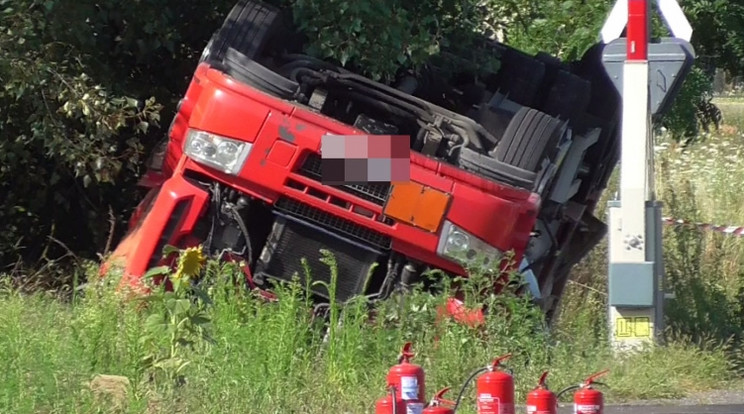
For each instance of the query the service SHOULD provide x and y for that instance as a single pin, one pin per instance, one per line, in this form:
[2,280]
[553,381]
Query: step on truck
[512,161]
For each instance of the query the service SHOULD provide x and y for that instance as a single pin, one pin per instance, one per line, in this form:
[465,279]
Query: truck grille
[291,241]
[333,223]
[374,192]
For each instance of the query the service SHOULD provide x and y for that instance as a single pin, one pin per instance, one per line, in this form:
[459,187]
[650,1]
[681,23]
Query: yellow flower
[190,262]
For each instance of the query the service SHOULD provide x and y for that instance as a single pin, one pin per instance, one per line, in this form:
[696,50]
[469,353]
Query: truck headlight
[225,154]
[459,245]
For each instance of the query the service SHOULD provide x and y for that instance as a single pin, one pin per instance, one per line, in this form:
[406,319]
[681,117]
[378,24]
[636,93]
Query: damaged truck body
[511,161]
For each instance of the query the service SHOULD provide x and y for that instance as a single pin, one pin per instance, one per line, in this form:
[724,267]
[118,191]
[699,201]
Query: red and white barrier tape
[731,230]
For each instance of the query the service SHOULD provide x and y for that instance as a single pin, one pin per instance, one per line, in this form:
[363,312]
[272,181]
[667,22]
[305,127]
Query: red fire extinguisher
[587,400]
[438,405]
[409,382]
[495,389]
[390,404]
[541,400]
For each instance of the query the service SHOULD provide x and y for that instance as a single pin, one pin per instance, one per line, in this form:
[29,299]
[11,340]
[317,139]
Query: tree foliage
[718,33]
[380,38]
[85,84]
[62,131]
[564,28]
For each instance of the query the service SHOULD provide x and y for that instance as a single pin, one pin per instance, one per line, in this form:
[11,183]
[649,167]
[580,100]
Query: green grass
[273,358]
[704,269]
[238,353]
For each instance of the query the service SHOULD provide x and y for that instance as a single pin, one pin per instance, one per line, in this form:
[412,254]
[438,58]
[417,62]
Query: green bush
[84,85]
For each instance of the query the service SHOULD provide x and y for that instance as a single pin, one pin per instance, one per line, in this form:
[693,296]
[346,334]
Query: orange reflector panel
[415,204]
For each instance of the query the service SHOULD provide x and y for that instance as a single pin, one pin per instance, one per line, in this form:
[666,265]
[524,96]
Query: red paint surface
[588,401]
[283,134]
[637,46]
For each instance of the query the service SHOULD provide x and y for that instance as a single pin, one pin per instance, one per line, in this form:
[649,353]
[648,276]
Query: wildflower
[190,263]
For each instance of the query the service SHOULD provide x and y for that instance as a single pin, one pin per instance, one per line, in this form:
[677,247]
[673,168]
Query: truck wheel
[247,29]
[530,137]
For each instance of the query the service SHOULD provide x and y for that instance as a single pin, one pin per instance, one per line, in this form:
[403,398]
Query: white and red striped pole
[636,164]
[637,30]
[717,228]
[636,294]
[634,311]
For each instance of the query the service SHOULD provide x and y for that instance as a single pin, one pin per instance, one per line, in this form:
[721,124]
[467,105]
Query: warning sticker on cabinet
[635,327]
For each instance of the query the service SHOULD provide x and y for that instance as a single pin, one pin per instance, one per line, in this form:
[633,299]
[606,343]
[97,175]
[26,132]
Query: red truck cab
[240,172]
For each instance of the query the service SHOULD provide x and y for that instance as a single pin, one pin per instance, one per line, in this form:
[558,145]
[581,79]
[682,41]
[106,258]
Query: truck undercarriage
[508,161]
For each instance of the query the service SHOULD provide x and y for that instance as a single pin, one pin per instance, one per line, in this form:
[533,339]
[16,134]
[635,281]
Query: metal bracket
[669,62]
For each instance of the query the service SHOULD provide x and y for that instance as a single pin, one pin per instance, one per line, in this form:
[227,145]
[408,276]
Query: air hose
[464,385]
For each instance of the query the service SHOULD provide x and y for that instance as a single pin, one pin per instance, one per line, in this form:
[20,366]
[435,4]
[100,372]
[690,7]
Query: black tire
[487,166]
[253,73]
[247,28]
[551,62]
[530,137]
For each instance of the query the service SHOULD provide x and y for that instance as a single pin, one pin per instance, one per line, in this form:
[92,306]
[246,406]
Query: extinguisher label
[489,404]
[586,409]
[532,409]
[409,387]
[414,408]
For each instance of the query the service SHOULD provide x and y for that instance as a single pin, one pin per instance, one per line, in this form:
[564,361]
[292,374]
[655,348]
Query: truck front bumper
[168,215]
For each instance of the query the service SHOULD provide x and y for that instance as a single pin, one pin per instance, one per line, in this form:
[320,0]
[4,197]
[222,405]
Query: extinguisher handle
[406,354]
[440,400]
[497,362]
[593,377]
[541,382]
